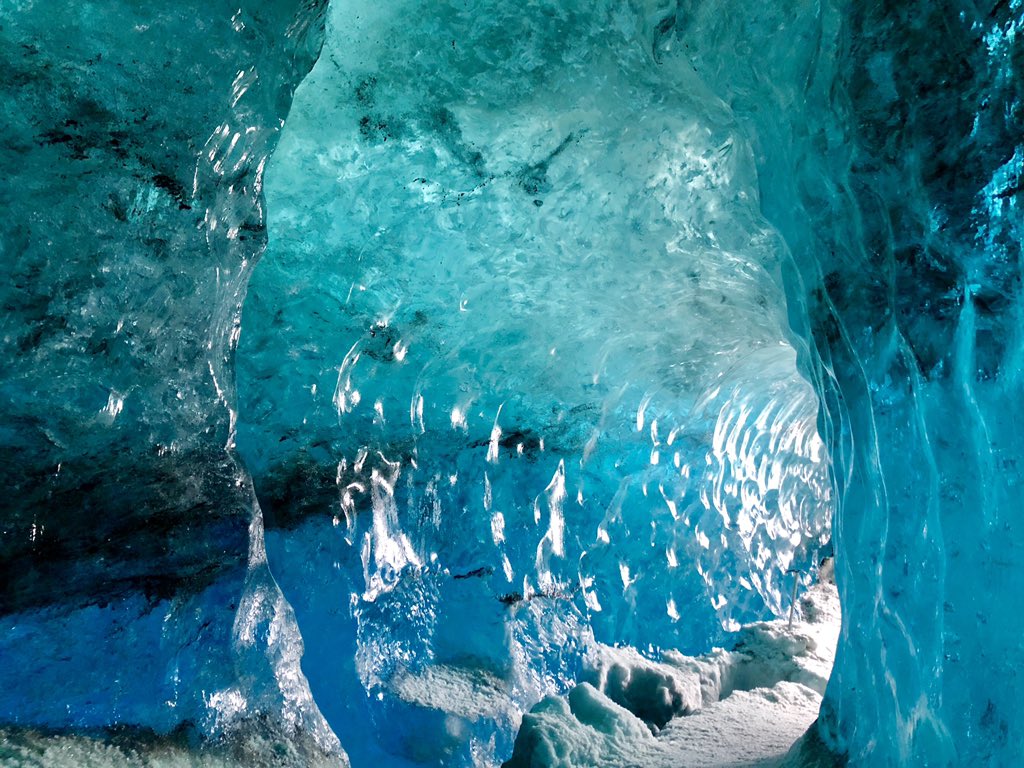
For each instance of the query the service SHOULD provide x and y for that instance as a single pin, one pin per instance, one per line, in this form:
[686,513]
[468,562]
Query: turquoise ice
[366,364]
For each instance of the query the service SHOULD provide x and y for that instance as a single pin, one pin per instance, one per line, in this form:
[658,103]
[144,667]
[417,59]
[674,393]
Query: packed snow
[746,706]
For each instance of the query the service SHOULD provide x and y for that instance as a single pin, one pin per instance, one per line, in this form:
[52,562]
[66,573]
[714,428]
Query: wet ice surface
[724,709]
[132,589]
[521,330]
[558,298]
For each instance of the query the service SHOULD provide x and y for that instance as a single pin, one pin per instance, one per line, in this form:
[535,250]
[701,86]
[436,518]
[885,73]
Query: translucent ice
[521,326]
[578,323]
[133,587]
[890,160]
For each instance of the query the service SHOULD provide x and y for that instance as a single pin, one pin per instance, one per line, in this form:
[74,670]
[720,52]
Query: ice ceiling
[365,363]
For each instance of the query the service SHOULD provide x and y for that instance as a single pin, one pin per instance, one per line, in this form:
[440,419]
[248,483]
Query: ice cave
[522,383]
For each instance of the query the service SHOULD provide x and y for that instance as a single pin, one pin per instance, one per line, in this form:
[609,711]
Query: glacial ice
[134,593]
[568,329]
[522,320]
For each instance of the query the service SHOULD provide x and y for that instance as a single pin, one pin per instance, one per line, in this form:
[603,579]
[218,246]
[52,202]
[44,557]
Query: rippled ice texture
[882,142]
[135,139]
[889,141]
[521,325]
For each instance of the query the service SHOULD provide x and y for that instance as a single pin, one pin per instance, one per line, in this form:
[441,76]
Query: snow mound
[741,707]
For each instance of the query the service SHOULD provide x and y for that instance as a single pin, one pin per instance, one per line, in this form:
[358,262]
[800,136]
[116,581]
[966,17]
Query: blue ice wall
[885,143]
[919,318]
[135,137]
[515,370]
[889,149]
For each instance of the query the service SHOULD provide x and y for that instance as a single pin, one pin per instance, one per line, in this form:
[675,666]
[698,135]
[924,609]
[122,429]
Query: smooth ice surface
[888,144]
[134,589]
[905,225]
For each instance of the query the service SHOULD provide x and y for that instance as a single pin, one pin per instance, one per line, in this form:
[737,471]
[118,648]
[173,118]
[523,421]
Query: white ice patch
[724,709]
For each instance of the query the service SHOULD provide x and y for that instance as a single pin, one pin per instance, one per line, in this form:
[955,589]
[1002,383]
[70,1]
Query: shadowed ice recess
[521,322]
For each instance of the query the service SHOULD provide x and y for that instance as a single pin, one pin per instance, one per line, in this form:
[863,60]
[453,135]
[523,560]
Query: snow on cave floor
[725,709]
[744,707]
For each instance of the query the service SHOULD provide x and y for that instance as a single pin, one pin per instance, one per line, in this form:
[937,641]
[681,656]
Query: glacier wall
[516,370]
[918,318]
[889,146]
[577,322]
[884,147]
[134,588]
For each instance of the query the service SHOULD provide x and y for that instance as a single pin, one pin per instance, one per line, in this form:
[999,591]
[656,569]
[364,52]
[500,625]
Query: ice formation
[134,587]
[530,337]
[561,330]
